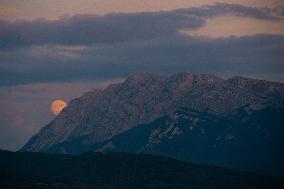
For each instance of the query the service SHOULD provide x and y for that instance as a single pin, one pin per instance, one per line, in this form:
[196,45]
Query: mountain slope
[101,114]
[249,138]
[116,170]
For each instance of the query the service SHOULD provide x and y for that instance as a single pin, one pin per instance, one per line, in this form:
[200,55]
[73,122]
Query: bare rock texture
[101,114]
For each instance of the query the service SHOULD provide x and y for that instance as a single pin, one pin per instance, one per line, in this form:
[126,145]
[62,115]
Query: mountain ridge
[101,114]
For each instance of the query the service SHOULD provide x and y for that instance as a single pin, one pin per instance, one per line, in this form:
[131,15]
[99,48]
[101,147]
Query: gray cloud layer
[90,29]
[234,9]
[112,28]
[85,47]
[261,56]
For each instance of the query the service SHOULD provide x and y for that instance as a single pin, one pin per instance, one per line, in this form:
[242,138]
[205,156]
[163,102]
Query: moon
[57,106]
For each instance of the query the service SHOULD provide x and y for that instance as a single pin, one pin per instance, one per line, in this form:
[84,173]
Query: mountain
[250,138]
[99,115]
[23,170]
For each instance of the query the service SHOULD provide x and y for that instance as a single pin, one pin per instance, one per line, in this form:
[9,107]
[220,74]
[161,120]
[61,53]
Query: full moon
[57,106]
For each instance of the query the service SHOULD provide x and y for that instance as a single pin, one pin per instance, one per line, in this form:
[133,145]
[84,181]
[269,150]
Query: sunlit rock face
[101,114]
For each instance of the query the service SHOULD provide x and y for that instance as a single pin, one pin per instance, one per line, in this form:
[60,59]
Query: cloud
[18,120]
[91,29]
[226,26]
[115,28]
[86,47]
[233,9]
[53,9]
[258,56]
[7,11]
[278,11]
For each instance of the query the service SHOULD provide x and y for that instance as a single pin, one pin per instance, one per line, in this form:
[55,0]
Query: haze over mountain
[248,110]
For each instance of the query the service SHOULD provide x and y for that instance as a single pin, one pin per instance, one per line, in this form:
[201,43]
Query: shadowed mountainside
[250,138]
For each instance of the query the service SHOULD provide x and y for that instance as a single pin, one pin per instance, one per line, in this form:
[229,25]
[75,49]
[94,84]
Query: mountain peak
[240,79]
[195,78]
[101,114]
[141,78]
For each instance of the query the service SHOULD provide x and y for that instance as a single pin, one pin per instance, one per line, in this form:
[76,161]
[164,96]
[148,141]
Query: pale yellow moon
[57,106]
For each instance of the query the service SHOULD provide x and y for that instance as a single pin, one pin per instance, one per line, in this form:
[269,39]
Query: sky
[58,49]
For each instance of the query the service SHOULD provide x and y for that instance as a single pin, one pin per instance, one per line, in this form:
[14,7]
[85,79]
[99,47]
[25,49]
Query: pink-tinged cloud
[53,9]
[18,120]
[226,26]
[8,11]
[116,28]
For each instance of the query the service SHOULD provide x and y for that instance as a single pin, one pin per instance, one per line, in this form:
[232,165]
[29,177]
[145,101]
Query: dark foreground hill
[22,170]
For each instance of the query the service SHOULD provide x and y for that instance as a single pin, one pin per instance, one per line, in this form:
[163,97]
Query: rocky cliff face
[101,114]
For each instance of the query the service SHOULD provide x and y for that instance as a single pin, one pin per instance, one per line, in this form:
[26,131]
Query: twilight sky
[52,49]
